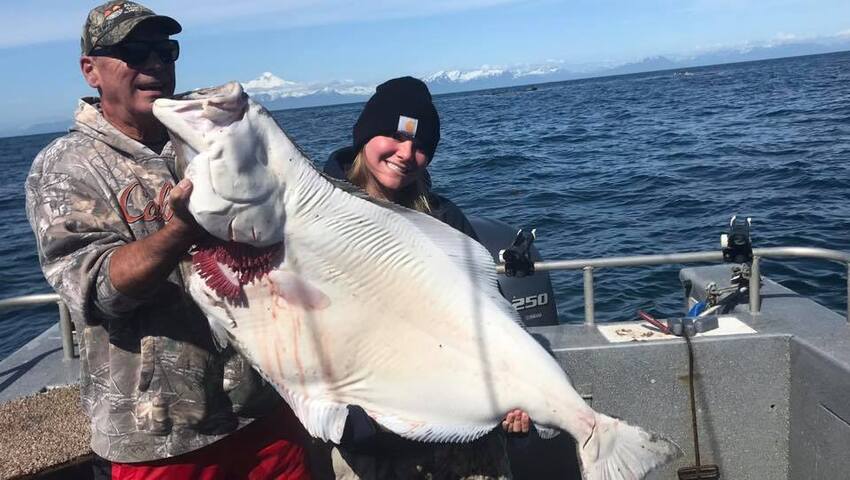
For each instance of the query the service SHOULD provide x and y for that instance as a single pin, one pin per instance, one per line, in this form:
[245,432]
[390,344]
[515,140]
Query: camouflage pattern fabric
[152,381]
[111,22]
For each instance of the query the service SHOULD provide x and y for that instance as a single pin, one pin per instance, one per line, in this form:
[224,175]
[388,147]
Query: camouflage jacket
[152,381]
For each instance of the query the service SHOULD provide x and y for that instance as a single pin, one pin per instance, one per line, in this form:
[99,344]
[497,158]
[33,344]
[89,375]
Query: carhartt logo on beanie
[400,105]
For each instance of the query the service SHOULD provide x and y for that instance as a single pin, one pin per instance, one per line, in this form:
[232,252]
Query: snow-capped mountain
[487,73]
[487,76]
[277,93]
[460,76]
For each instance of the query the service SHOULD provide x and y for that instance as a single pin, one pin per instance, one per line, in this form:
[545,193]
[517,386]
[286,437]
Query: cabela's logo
[153,210]
[113,9]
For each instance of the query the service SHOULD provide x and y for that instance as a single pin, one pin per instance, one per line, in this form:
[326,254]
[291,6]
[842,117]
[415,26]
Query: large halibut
[338,299]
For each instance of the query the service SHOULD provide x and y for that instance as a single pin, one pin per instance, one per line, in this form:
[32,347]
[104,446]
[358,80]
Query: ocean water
[637,164]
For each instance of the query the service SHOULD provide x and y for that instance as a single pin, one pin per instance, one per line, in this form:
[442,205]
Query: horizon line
[591,76]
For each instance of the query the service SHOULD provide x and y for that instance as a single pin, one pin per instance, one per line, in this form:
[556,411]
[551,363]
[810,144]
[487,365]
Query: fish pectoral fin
[297,291]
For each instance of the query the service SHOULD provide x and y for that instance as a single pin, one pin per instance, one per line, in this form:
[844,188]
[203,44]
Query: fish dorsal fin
[432,432]
[358,192]
[468,254]
[547,433]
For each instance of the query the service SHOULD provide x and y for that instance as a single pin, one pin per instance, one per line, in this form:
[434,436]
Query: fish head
[226,145]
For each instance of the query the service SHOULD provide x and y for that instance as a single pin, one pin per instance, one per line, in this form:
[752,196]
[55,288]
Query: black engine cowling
[532,295]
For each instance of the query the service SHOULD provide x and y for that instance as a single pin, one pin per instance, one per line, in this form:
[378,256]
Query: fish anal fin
[433,432]
[298,292]
[547,433]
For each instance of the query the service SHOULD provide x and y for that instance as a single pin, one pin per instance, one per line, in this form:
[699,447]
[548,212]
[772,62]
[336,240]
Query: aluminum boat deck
[771,403]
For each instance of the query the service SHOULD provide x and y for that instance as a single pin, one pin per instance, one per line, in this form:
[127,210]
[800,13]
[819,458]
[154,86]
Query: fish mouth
[226,267]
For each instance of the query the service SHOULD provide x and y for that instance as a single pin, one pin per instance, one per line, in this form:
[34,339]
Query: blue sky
[372,40]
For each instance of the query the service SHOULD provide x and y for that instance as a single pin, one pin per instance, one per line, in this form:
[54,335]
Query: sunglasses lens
[134,53]
[171,52]
[137,53]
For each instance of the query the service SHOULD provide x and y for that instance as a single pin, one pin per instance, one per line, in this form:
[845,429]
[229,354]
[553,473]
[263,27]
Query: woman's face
[394,162]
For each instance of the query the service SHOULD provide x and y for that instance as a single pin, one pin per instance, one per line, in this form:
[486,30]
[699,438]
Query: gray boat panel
[770,405]
[743,404]
[820,433]
[36,366]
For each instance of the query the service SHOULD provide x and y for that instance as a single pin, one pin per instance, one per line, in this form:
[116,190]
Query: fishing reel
[736,243]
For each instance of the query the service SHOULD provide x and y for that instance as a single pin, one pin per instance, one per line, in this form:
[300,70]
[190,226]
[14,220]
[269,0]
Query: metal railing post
[588,264]
[589,318]
[65,328]
[755,286]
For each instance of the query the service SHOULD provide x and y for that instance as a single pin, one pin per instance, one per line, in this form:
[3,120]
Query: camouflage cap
[111,22]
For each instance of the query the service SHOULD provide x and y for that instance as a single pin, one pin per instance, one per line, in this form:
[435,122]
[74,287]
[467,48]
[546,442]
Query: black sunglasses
[135,53]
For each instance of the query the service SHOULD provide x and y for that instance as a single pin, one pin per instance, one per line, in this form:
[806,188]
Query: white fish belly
[413,339]
[372,304]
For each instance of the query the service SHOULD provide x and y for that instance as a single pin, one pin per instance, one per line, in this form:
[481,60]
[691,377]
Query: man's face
[127,91]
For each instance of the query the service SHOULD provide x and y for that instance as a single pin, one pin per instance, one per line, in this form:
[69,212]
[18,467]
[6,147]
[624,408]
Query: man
[112,228]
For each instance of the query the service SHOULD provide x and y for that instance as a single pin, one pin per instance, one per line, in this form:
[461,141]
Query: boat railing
[38,299]
[586,265]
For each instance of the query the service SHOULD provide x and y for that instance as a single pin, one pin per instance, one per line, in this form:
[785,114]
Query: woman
[394,141]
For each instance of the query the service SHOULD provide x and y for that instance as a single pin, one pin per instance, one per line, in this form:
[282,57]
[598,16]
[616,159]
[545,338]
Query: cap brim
[169,26]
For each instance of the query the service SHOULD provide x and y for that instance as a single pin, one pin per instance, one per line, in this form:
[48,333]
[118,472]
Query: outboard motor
[530,292]
[531,295]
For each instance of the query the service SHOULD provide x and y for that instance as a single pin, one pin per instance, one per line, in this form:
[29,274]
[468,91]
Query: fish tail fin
[616,450]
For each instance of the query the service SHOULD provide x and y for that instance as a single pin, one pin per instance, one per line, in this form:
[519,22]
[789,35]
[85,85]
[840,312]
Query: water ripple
[636,164]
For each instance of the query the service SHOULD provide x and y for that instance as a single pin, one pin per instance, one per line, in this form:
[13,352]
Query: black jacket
[361,434]
[441,207]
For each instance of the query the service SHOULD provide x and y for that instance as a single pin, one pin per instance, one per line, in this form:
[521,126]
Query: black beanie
[400,105]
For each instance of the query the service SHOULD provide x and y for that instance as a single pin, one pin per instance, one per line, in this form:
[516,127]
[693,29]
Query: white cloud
[784,38]
[52,20]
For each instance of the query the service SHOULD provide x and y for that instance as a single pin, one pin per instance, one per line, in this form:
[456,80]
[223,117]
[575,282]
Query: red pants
[269,448]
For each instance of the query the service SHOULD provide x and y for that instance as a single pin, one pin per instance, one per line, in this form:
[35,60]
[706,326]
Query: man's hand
[516,421]
[139,267]
[182,224]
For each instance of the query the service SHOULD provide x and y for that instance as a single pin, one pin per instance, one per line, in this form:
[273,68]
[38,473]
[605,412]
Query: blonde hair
[415,196]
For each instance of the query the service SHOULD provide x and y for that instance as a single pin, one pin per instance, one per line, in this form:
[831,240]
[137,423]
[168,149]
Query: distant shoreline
[61,126]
